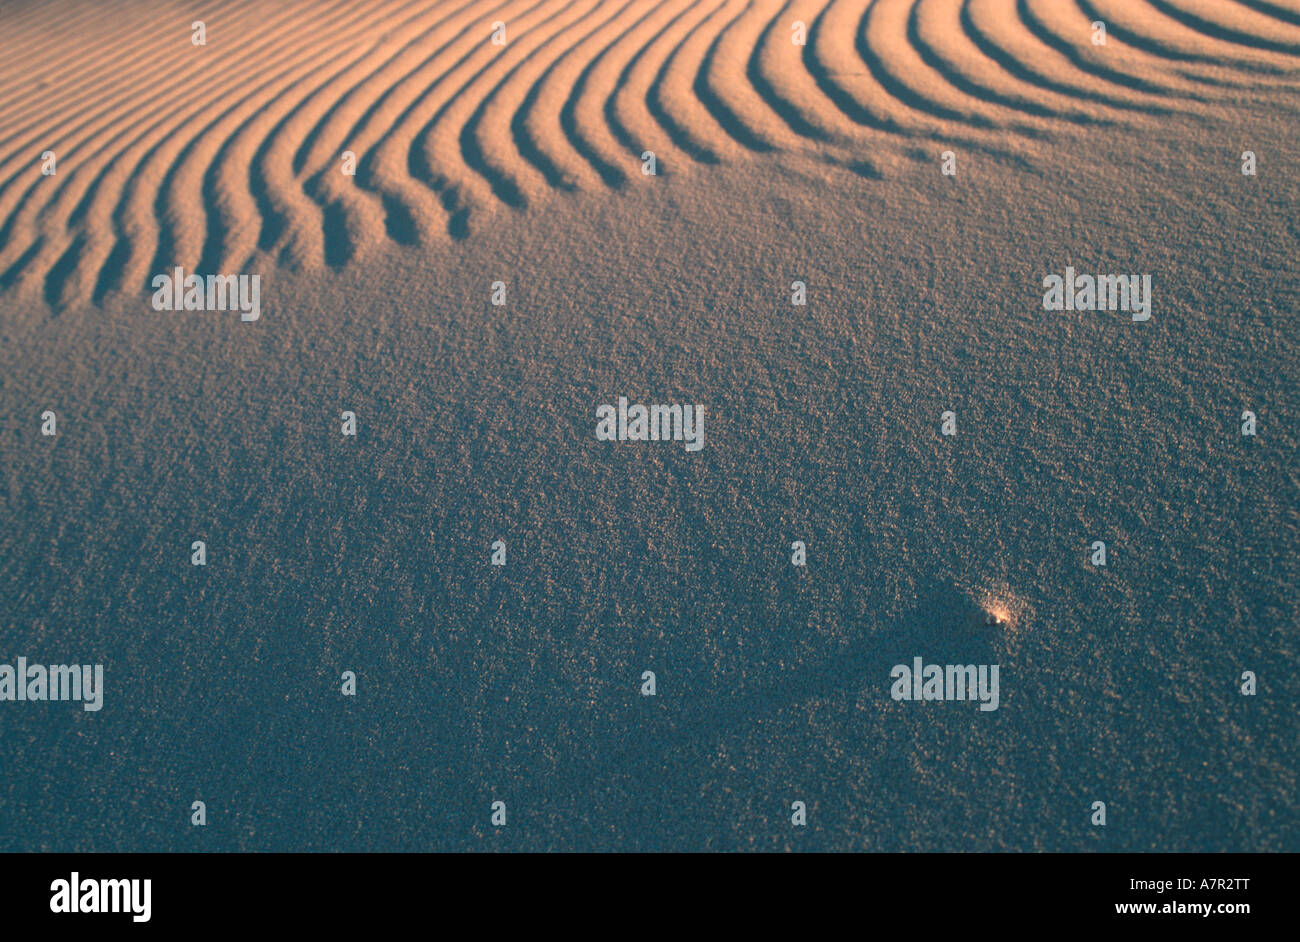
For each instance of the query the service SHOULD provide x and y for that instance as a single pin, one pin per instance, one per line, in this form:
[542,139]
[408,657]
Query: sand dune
[227,156]
[776,162]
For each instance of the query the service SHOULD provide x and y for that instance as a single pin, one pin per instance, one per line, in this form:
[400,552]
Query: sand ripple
[227,157]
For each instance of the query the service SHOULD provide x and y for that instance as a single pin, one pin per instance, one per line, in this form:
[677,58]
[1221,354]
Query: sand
[776,162]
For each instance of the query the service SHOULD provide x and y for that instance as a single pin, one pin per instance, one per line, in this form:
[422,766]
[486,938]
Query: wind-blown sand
[523,163]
